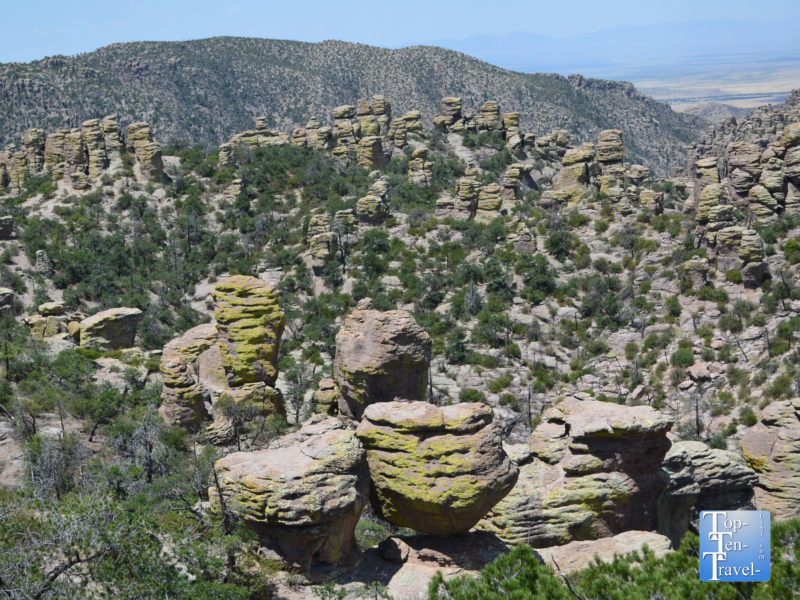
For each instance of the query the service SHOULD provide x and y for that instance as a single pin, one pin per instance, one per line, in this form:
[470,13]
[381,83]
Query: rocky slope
[464,324]
[206,90]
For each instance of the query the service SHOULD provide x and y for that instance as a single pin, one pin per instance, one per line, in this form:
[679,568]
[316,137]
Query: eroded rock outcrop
[772,449]
[304,498]
[701,478]
[593,472]
[113,329]
[234,359]
[250,325]
[435,470]
[380,357]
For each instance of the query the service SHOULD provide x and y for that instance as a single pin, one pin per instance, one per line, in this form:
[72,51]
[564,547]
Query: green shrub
[683,357]
[499,384]
[734,276]
[470,395]
[747,416]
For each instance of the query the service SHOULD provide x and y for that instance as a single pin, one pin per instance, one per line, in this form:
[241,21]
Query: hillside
[206,90]
[716,112]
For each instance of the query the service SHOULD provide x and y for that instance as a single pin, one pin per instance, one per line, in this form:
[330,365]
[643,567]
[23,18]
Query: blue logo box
[734,545]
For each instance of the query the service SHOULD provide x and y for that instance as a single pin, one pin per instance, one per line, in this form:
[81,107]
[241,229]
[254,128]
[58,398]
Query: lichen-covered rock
[763,205]
[701,478]
[54,150]
[610,148]
[250,324]
[595,472]
[33,141]
[113,329]
[147,151]
[712,195]
[371,209]
[653,201]
[380,357]
[583,154]
[322,249]
[304,498]
[95,147]
[326,398]
[435,470]
[419,168]
[772,449]
[490,201]
[791,135]
[370,152]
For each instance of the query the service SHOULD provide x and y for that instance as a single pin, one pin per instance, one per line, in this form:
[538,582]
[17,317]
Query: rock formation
[304,498]
[435,470]
[593,471]
[380,357]
[112,329]
[701,478]
[236,359]
[147,151]
[250,325]
[772,449]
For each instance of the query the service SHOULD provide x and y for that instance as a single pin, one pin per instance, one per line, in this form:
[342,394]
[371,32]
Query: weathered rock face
[182,393]
[419,168]
[43,264]
[380,357]
[250,325]
[577,556]
[772,449]
[701,478]
[147,151]
[6,301]
[304,498]
[594,472]
[112,329]
[435,470]
[610,148]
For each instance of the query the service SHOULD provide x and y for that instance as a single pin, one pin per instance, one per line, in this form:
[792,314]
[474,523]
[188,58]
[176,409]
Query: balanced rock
[772,449]
[594,473]
[609,146]
[250,324]
[113,329]
[380,357]
[304,498]
[437,470]
[6,300]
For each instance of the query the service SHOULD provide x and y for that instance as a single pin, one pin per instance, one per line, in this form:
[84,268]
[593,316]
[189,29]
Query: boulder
[584,154]
[772,449]
[250,324]
[577,556]
[182,393]
[6,301]
[791,135]
[437,470]
[113,329]
[609,146]
[380,357]
[594,473]
[303,498]
[701,478]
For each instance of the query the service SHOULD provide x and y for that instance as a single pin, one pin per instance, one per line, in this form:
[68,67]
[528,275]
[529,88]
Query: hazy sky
[36,28]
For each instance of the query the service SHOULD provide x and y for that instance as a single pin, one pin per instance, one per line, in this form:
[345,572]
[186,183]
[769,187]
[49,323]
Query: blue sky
[33,29]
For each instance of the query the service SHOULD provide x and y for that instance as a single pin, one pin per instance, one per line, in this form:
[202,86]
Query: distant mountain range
[639,52]
[207,90]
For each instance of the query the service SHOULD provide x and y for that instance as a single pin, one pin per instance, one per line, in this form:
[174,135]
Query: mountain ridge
[207,90]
